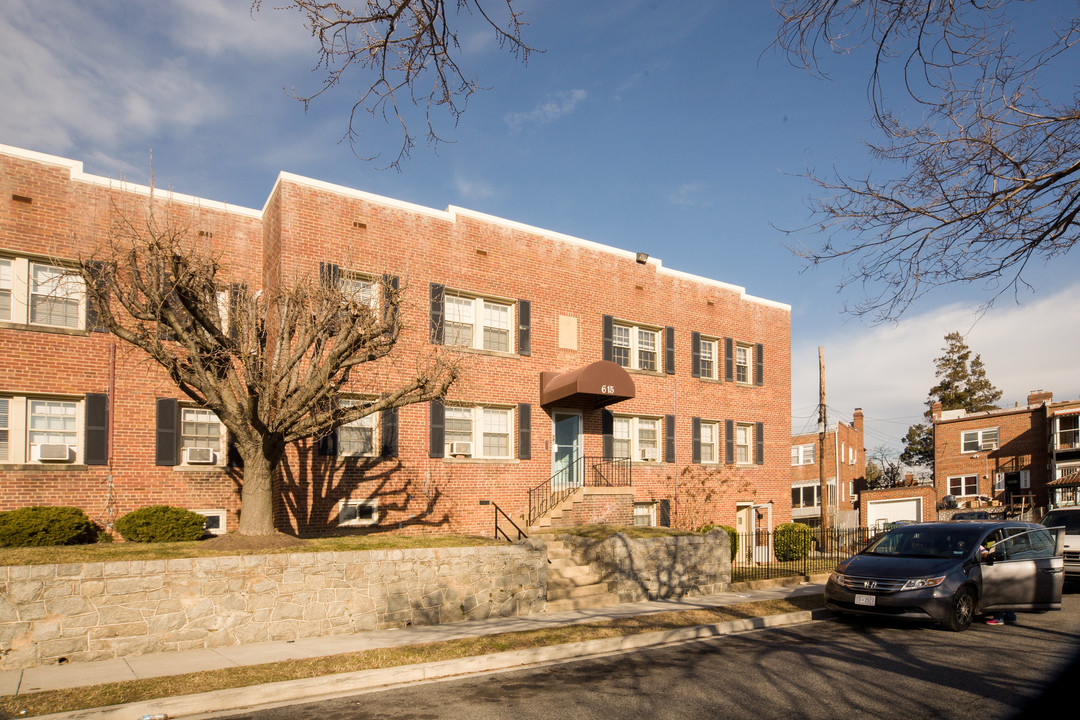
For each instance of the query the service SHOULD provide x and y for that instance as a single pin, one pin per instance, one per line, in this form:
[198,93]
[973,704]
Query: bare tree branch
[988,176]
[399,46]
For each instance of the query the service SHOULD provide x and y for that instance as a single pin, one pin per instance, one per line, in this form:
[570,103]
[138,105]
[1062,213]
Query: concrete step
[576,591]
[579,579]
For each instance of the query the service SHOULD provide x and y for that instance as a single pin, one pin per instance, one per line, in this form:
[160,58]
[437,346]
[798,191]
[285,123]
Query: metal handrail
[499,511]
[581,472]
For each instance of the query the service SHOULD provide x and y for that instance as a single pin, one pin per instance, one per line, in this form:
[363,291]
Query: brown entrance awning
[597,385]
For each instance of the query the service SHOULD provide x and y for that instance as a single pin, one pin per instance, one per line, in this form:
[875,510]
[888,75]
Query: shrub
[733,536]
[37,526]
[792,541]
[161,523]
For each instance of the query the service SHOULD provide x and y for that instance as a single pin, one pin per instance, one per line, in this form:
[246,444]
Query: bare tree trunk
[261,460]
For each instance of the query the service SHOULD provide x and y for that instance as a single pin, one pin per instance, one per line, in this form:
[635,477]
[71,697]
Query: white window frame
[17,285]
[713,358]
[815,487]
[646,511]
[368,422]
[632,432]
[16,427]
[484,420]
[7,289]
[744,438]
[961,481]
[744,351]
[219,452]
[349,505]
[361,287]
[479,310]
[803,454]
[980,439]
[5,429]
[636,344]
[1071,434]
[219,515]
[713,428]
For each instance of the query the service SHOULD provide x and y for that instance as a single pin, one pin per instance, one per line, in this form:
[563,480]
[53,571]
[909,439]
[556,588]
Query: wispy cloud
[888,370]
[471,189]
[690,195]
[550,110]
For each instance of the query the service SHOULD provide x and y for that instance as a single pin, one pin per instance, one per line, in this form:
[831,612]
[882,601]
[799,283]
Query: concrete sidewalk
[53,677]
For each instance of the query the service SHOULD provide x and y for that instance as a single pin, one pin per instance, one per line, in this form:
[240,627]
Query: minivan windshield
[926,541]
[1069,519]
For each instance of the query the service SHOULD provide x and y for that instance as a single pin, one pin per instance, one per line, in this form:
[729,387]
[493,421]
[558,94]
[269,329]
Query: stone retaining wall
[97,611]
[658,568]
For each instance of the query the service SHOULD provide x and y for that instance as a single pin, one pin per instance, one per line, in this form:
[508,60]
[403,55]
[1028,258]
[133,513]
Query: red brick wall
[305,223]
[1022,445]
[837,441]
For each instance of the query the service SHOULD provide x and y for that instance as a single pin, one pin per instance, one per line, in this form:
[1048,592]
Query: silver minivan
[1068,518]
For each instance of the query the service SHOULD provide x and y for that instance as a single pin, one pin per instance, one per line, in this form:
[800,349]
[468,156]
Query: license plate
[870,600]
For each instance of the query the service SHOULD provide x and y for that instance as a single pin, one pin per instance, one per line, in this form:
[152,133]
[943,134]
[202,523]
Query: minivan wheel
[962,611]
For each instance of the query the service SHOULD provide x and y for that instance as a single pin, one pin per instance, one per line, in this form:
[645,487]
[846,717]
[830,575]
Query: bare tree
[883,469]
[408,53]
[988,161]
[272,363]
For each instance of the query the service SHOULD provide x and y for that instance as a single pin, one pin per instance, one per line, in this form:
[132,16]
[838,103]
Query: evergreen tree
[962,385]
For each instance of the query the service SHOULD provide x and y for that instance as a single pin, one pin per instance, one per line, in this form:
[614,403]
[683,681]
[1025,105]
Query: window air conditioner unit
[54,451]
[461,448]
[988,446]
[648,454]
[199,456]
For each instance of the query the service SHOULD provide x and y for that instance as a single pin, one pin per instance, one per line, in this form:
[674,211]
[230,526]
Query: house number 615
[607,389]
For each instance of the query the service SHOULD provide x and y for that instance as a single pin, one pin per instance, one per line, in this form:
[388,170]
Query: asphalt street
[832,669]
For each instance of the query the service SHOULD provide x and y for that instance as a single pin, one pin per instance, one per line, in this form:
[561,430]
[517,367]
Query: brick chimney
[857,419]
[1037,397]
[935,411]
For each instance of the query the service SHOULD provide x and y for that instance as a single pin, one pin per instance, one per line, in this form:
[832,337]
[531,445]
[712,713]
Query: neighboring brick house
[845,467]
[568,349]
[1005,456]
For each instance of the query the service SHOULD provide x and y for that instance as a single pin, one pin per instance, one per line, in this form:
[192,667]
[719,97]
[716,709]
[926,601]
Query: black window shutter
[524,431]
[235,290]
[759,443]
[695,354]
[609,332]
[524,339]
[759,364]
[437,434]
[669,350]
[167,445]
[93,318]
[328,443]
[729,442]
[695,439]
[389,440]
[729,359]
[438,297]
[665,513]
[669,438]
[329,275]
[96,432]
[391,283]
[233,458]
[607,429]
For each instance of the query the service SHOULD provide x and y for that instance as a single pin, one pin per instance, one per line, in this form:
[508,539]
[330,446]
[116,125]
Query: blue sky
[668,128]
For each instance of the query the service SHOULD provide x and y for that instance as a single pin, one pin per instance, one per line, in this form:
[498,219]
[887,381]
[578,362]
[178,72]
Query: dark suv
[949,572]
[1069,518]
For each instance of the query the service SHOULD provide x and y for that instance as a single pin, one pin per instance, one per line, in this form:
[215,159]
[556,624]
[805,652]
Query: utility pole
[824,483]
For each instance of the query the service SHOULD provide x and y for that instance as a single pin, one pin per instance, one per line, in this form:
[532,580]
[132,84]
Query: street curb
[330,686]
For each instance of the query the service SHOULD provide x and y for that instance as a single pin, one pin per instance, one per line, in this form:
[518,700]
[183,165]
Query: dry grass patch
[52,701]
[230,545]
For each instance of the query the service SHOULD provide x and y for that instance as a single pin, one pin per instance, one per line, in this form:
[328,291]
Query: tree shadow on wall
[313,485]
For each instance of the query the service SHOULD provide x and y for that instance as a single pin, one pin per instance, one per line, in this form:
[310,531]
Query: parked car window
[926,541]
[1069,519]
[1031,545]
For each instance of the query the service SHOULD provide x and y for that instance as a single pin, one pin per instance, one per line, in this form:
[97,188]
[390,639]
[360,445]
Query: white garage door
[879,512]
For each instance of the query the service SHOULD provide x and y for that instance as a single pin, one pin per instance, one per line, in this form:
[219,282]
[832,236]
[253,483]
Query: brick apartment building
[845,467]
[1008,456]
[568,349]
